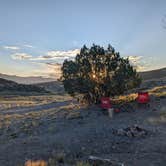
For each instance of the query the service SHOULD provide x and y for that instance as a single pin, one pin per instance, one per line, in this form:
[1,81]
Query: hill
[26,80]
[153,78]
[53,86]
[11,87]
[153,74]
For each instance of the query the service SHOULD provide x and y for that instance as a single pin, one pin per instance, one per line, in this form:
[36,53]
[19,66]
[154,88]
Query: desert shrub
[97,72]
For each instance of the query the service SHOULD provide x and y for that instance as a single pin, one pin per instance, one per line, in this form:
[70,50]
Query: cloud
[137,62]
[59,56]
[48,64]
[28,46]
[140,67]
[16,47]
[21,56]
[56,56]
[134,59]
[56,65]
[52,70]
[70,53]
[11,47]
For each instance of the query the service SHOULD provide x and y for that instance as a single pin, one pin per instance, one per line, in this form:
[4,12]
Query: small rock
[129,134]
[133,131]
[121,132]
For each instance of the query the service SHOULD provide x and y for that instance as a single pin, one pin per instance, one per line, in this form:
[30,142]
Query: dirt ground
[67,134]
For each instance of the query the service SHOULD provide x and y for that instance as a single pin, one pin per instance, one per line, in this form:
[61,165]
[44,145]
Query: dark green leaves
[97,72]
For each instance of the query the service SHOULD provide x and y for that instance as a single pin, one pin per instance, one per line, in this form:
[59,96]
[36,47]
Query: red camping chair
[105,103]
[143,98]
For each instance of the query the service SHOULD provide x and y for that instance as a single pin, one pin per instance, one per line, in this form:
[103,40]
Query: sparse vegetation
[69,132]
[8,101]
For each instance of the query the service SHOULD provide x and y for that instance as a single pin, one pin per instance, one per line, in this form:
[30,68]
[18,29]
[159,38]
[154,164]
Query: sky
[37,35]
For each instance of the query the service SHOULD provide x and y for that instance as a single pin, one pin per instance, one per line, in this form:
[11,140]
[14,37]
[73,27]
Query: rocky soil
[68,134]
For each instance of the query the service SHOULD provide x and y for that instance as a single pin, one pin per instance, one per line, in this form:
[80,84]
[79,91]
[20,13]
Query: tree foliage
[97,72]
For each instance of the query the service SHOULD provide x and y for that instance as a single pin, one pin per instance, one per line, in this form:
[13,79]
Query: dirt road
[21,110]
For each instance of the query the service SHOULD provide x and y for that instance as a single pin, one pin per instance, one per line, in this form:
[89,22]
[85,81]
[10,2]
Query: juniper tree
[97,72]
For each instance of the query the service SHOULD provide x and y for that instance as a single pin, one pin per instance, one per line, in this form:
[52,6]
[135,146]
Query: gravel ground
[79,133]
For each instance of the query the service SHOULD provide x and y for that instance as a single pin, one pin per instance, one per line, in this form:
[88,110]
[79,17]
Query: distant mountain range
[147,75]
[26,80]
[11,87]
[40,84]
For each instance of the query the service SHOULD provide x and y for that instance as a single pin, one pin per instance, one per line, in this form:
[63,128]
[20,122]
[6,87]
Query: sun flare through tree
[97,72]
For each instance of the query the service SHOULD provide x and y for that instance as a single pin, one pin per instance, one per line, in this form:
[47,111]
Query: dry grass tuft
[124,98]
[159,91]
[36,163]
[81,163]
